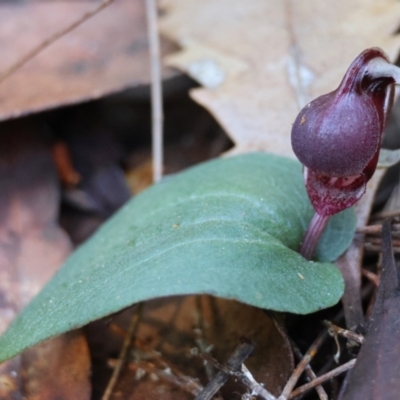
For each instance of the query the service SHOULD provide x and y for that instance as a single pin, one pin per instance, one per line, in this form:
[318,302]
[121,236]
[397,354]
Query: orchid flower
[337,138]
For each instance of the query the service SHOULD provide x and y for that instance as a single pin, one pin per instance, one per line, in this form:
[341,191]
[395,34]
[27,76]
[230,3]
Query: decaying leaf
[169,330]
[273,359]
[105,54]
[32,247]
[58,369]
[376,373]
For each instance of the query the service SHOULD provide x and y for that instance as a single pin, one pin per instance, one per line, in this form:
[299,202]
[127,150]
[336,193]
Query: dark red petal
[339,133]
[331,195]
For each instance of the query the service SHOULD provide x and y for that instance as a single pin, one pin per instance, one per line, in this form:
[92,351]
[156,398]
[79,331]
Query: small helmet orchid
[337,138]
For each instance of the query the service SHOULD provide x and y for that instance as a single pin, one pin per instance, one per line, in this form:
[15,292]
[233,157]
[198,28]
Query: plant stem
[313,234]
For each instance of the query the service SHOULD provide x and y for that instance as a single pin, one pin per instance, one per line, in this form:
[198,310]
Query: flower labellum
[337,136]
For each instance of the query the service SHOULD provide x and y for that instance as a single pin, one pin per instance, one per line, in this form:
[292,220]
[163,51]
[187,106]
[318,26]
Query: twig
[245,376]
[370,229]
[172,375]
[386,214]
[63,163]
[211,360]
[378,241]
[153,362]
[50,40]
[156,91]
[146,362]
[241,353]
[309,371]
[377,229]
[344,332]
[124,351]
[372,248]
[321,379]
[256,388]
[302,365]
[374,278]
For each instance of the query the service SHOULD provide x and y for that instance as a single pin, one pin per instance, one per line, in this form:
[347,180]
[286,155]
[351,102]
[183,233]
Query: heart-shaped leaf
[228,227]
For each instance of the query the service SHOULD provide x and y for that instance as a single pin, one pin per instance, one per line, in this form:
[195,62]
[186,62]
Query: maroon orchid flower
[337,137]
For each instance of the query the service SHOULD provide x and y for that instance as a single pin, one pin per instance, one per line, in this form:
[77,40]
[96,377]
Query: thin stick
[377,229]
[370,229]
[158,365]
[50,40]
[124,352]
[212,361]
[177,378]
[323,378]
[372,248]
[344,332]
[156,91]
[371,276]
[241,353]
[386,214]
[302,365]
[378,241]
[310,373]
[256,388]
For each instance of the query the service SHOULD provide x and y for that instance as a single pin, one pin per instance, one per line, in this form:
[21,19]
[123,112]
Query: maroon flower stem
[312,235]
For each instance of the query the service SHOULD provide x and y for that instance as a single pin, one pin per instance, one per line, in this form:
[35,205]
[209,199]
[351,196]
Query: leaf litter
[384,21]
[95,59]
[32,248]
[376,372]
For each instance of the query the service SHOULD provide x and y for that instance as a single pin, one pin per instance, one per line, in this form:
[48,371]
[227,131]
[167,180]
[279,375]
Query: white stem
[379,67]
[156,90]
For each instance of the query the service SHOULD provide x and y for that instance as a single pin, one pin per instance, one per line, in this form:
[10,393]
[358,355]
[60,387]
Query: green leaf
[228,227]
[388,158]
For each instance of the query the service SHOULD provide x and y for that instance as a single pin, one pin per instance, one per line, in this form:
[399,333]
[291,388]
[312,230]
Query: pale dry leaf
[267,59]
[388,158]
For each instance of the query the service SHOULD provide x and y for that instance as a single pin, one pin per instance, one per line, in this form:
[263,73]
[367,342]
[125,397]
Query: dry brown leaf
[263,60]
[174,326]
[32,247]
[272,362]
[58,369]
[105,54]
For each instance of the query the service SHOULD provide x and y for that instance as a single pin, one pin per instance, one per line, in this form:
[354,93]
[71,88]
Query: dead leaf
[32,247]
[272,362]
[58,369]
[377,369]
[105,54]
[172,327]
[264,60]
